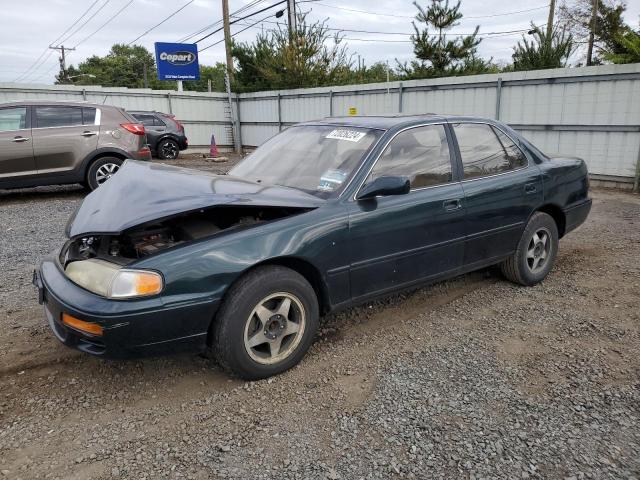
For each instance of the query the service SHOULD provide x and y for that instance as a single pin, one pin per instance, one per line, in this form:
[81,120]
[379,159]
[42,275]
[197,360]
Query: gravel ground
[470,378]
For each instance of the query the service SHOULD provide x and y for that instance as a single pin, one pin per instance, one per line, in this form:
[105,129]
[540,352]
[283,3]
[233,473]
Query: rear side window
[421,154]
[55,116]
[146,120]
[88,116]
[13,119]
[486,150]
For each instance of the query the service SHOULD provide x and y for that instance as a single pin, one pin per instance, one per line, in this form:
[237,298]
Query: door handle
[20,139]
[530,188]
[88,134]
[450,205]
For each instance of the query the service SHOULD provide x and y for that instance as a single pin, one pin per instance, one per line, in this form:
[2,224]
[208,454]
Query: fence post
[279,114]
[400,97]
[239,122]
[498,97]
[84,94]
[636,181]
[331,103]
[169,99]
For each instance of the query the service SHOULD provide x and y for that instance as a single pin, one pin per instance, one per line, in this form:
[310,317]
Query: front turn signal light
[77,324]
[135,283]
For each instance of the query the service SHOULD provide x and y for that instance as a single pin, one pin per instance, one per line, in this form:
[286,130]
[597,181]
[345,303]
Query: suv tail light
[135,128]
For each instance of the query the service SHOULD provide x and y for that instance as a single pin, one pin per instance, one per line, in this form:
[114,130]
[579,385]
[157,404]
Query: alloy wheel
[106,171]
[539,250]
[275,328]
[169,150]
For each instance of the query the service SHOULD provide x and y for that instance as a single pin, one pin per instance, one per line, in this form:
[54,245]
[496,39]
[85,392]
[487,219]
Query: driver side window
[421,154]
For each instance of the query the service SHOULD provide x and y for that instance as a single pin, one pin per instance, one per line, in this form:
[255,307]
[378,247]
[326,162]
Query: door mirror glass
[385,186]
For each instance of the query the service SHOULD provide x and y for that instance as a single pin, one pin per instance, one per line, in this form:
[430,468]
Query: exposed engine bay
[151,238]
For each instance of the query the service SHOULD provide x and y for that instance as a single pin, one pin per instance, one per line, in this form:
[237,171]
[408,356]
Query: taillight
[135,128]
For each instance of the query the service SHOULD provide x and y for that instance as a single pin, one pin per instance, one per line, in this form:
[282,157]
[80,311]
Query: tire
[101,170]
[534,257]
[244,336]
[168,149]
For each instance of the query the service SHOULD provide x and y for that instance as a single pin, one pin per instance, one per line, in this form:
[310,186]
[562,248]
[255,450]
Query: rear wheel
[102,170]
[536,252]
[266,323]
[168,149]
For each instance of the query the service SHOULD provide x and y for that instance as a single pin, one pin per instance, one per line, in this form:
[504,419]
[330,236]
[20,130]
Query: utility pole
[227,37]
[63,61]
[592,32]
[291,10]
[552,12]
[144,74]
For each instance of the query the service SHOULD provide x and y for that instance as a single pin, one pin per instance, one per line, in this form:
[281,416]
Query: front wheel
[536,252]
[266,323]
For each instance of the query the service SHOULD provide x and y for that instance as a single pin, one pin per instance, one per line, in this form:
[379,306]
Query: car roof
[70,103]
[148,112]
[386,122]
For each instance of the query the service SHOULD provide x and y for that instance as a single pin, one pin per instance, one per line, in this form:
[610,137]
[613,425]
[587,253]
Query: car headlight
[109,280]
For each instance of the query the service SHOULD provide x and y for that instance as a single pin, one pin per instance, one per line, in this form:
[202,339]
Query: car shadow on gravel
[41,193]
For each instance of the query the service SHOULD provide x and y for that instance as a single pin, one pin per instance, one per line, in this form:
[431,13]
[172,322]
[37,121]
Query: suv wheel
[168,149]
[102,170]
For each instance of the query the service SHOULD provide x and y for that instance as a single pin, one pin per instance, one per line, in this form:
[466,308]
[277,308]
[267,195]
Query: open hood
[142,192]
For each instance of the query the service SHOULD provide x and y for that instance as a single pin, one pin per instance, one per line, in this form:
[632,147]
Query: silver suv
[48,143]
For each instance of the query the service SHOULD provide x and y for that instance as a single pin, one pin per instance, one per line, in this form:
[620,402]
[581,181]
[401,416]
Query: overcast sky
[27,31]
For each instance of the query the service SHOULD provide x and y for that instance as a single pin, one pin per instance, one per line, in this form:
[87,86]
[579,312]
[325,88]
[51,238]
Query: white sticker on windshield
[348,135]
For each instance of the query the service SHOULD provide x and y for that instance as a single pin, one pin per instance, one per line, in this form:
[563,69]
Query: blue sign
[177,61]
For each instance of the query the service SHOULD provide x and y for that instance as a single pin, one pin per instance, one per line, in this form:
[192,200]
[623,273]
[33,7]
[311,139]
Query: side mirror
[384,186]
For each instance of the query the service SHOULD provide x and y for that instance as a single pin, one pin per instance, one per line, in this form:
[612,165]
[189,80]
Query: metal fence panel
[591,112]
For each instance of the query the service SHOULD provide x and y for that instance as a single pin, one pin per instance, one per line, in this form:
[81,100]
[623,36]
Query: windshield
[318,159]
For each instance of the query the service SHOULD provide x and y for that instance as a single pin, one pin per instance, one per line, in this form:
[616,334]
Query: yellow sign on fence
[353,111]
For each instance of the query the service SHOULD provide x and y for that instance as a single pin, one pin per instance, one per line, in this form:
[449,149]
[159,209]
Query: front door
[501,190]
[63,136]
[16,145]
[403,239]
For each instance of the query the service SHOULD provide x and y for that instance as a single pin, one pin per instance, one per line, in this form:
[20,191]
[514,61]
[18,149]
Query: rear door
[16,145]
[501,190]
[153,126]
[401,239]
[63,136]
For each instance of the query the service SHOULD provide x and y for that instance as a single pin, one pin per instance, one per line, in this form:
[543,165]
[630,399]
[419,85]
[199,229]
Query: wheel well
[558,215]
[309,272]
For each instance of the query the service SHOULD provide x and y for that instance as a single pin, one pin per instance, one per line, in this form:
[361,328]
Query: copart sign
[177,61]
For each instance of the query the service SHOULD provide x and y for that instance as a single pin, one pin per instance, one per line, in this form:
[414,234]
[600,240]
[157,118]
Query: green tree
[123,66]
[438,54]
[276,60]
[215,74]
[626,48]
[543,52]
[576,15]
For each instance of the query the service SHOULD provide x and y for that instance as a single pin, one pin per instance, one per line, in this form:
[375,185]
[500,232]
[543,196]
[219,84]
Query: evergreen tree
[626,48]
[437,54]
[543,52]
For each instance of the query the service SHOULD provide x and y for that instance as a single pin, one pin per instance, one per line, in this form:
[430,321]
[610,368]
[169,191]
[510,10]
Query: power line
[111,18]
[242,18]
[368,12]
[158,24]
[207,27]
[85,22]
[236,33]
[46,50]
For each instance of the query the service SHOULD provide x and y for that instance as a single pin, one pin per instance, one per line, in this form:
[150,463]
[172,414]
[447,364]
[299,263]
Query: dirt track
[469,378]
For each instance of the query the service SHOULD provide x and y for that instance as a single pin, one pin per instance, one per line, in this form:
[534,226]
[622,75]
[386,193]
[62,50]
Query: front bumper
[131,328]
